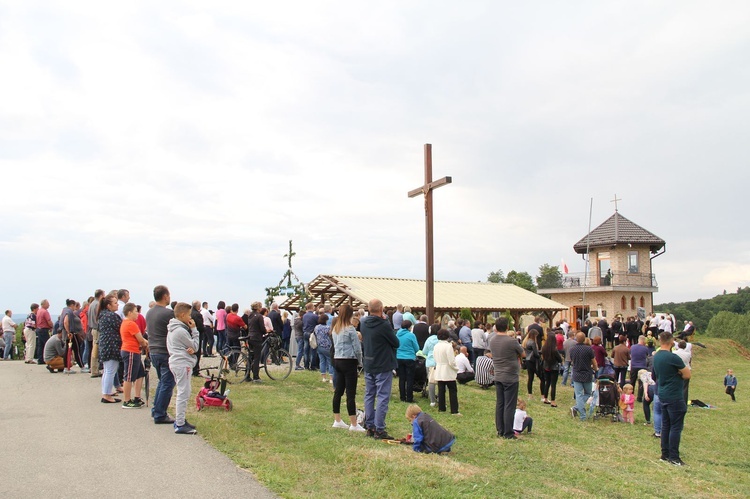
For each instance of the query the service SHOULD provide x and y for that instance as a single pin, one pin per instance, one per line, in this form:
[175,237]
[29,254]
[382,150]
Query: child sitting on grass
[521,421]
[427,435]
[627,403]
[182,342]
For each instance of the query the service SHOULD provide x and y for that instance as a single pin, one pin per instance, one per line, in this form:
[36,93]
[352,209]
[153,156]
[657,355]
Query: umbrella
[68,355]
[147,368]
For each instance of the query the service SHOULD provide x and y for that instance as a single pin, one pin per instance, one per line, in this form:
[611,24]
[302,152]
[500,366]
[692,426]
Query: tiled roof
[619,230]
[449,295]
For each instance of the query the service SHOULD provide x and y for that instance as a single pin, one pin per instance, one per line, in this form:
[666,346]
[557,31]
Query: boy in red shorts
[132,342]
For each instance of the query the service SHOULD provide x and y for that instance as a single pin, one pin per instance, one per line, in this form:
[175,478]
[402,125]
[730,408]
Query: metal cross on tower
[615,200]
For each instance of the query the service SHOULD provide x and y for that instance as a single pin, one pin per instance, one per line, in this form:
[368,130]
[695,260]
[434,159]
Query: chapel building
[620,279]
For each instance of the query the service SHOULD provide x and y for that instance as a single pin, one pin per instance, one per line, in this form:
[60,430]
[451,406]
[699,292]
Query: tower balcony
[611,281]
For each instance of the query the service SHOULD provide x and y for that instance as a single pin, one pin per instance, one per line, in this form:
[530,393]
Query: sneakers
[186,429]
[664,459]
[677,462]
[69,371]
[382,435]
[433,404]
[129,404]
[299,368]
[85,370]
[357,428]
[573,412]
[340,424]
[370,432]
[139,401]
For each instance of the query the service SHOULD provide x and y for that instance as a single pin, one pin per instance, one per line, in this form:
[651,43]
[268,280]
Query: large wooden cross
[426,190]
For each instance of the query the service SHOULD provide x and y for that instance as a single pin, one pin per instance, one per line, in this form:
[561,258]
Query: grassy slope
[281,432]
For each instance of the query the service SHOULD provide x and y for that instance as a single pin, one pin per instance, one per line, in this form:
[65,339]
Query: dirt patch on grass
[403,455]
[740,349]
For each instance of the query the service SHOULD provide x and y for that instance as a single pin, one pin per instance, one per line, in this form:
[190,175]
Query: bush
[466,314]
[732,326]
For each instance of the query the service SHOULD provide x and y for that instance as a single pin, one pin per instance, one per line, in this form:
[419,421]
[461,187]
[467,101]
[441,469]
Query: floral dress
[109,336]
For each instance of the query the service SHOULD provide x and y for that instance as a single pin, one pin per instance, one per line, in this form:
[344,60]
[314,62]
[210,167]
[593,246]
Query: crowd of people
[108,337]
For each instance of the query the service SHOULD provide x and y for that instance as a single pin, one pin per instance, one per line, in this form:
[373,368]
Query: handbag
[313,341]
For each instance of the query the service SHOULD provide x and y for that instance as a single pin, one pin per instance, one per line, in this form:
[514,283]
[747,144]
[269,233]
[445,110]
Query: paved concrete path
[59,440]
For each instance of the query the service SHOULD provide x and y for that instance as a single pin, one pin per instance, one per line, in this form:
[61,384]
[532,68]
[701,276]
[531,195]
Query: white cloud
[186,144]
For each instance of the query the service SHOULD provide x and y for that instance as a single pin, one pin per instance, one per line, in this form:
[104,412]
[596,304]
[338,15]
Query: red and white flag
[565,267]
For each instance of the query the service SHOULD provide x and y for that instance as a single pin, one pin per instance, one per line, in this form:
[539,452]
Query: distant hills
[701,311]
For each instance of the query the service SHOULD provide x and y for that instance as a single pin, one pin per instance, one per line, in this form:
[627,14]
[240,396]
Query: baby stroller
[420,376]
[213,393]
[609,397]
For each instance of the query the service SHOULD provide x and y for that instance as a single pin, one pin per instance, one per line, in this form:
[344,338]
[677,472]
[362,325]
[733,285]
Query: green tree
[521,279]
[496,277]
[549,277]
[466,314]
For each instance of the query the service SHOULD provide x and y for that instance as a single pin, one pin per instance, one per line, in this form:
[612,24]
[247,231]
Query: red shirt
[43,320]
[235,321]
[141,321]
[559,339]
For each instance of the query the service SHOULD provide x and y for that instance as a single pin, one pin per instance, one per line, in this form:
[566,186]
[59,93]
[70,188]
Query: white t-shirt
[684,355]
[8,325]
[464,366]
[518,420]
[208,319]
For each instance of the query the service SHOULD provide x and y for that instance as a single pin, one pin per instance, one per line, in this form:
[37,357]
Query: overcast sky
[184,143]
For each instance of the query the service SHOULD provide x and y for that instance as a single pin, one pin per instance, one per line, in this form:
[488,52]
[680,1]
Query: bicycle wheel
[239,368]
[278,364]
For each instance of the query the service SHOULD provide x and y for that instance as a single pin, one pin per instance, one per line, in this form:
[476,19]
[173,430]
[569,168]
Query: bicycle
[275,361]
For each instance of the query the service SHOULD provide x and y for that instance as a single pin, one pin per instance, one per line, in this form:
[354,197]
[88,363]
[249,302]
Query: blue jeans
[42,335]
[377,385]
[307,351]
[583,392]
[108,377]
[8,336]
[566,372]
[300,350]
[324,355]
[672,420]
[221,340]
[165,386]
[657,415]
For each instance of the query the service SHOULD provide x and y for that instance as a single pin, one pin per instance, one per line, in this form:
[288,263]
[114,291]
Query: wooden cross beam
[426,190]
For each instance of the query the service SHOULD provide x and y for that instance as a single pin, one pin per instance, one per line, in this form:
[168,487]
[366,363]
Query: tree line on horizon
[724,316]
[549,276]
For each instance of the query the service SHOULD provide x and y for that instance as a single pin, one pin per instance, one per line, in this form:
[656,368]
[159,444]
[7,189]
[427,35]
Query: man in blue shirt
[638,356]
[464,336]
[309,321]
[398,317]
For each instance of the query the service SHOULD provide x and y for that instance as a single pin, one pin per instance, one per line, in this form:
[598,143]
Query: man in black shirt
[583,365]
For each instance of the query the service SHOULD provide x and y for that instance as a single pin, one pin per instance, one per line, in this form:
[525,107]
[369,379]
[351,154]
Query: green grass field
[281,432]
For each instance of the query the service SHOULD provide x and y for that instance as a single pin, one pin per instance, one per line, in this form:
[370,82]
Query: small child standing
[730,382]
[427,434]
[521,421]
[627,403]
[130,351]
[182,343]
